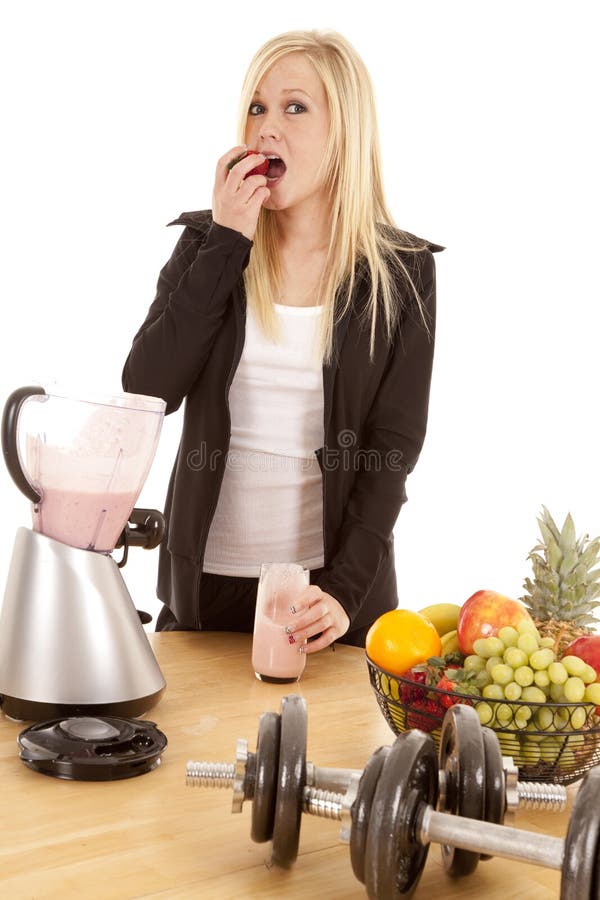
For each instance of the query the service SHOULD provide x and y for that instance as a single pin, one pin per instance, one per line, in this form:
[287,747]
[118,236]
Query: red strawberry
[444,684]
[261,169]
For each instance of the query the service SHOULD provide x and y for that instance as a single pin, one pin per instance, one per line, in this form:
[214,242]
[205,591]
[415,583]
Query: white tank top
[270,506]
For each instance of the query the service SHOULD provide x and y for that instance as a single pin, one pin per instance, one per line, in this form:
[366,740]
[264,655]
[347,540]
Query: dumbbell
[393,820]
[473,777]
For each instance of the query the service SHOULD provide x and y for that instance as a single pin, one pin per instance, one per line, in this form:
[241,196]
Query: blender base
[71,641]
[21,710]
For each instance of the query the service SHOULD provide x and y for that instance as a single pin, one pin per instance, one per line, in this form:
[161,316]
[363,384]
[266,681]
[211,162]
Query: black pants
[227,603]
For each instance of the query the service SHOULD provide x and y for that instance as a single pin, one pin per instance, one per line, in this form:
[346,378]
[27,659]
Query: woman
[297,322]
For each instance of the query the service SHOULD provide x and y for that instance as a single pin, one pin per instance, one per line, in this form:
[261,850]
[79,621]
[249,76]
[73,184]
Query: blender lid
[92,748]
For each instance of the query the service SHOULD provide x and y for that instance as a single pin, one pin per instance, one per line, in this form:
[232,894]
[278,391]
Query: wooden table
[152,836]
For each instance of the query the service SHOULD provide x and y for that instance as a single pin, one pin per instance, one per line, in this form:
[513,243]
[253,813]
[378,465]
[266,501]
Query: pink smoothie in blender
[88,461]
[86,520]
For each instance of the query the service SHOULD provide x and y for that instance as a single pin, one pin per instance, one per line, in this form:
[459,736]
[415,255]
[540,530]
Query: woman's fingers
[237,200]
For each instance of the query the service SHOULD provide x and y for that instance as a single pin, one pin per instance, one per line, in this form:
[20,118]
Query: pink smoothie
[272,654]
[92,521]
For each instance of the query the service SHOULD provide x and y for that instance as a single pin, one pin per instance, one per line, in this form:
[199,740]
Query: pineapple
[565,587]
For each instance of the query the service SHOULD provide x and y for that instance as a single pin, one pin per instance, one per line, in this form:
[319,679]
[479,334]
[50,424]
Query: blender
[71,641]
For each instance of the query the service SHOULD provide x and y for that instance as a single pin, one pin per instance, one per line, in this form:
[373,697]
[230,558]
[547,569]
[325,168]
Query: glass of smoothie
[274,658]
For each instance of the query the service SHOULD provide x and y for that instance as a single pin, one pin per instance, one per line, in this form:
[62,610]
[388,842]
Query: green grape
[493,692]
[473,663]
[561,719]
[557,673]
[482,678]
[550,748]
[512,690]
[541,659]
[523,714]
[557,693]
[532,729]
[528,643]
[574,665]
[547,642]
[509,744]
[485,713]
[524,676]
[541,678]
[491,662]
[533,695]
[487,647]
[544,719]
[574,689]
[504,714]
[509,636]
[589,675]
[576,741]
[578,717]
[527,627]
[592,693]
[514,657]
[502,674]
[531,751]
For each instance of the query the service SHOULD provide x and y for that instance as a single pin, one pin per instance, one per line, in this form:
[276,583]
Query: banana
[443,616]
[450,643]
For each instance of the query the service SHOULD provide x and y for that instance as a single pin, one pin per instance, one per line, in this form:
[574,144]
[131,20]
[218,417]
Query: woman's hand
[237,202]
[314,612]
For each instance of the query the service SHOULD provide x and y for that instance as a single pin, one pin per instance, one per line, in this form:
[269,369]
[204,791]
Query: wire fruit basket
[558,743]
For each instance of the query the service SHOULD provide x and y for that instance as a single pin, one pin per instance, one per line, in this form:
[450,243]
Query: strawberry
[261,169]
[444,684]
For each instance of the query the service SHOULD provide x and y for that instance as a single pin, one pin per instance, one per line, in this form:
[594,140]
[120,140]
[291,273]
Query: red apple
[586,648]
[484,614]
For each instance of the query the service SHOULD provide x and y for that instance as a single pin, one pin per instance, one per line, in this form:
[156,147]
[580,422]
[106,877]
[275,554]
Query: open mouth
[277,168]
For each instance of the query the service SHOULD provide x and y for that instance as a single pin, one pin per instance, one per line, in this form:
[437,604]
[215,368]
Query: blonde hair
[351,168]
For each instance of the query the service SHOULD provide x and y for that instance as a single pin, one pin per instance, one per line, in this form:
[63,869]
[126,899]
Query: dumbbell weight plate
[394,858]
[462,759]
[290,781]
[581,862]
[267,766]
[495,791]
[361,811]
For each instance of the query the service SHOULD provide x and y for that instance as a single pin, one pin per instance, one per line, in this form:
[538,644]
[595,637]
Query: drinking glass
[274,658]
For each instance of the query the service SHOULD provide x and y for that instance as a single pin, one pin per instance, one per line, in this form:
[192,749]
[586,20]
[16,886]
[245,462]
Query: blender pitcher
[71,640]
[81,462]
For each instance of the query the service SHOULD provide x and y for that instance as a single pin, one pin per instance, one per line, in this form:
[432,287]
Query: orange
[401,639]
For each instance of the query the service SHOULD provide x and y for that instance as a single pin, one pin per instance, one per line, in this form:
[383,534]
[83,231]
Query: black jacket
[375,416]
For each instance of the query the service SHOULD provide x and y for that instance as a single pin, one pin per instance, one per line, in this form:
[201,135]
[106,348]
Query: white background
[114,115]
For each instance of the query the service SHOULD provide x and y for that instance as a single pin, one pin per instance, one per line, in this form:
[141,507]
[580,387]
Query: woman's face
[289,118]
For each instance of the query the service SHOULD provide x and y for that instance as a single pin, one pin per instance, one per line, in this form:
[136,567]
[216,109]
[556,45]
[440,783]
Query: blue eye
[299,106]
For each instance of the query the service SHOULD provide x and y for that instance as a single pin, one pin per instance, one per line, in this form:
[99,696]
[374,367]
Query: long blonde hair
[351,168]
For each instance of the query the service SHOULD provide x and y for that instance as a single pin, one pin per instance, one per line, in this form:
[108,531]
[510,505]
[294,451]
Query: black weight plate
[462,759]
[290,781]
[394,856]
[361,811]
[495,791]
[580,870]
[265,788]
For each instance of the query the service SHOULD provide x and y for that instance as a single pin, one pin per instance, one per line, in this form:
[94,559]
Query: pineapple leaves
[565,587]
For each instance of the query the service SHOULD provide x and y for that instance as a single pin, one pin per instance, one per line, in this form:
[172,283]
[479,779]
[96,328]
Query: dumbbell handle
[490,839]
[520,794]
[456,831]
